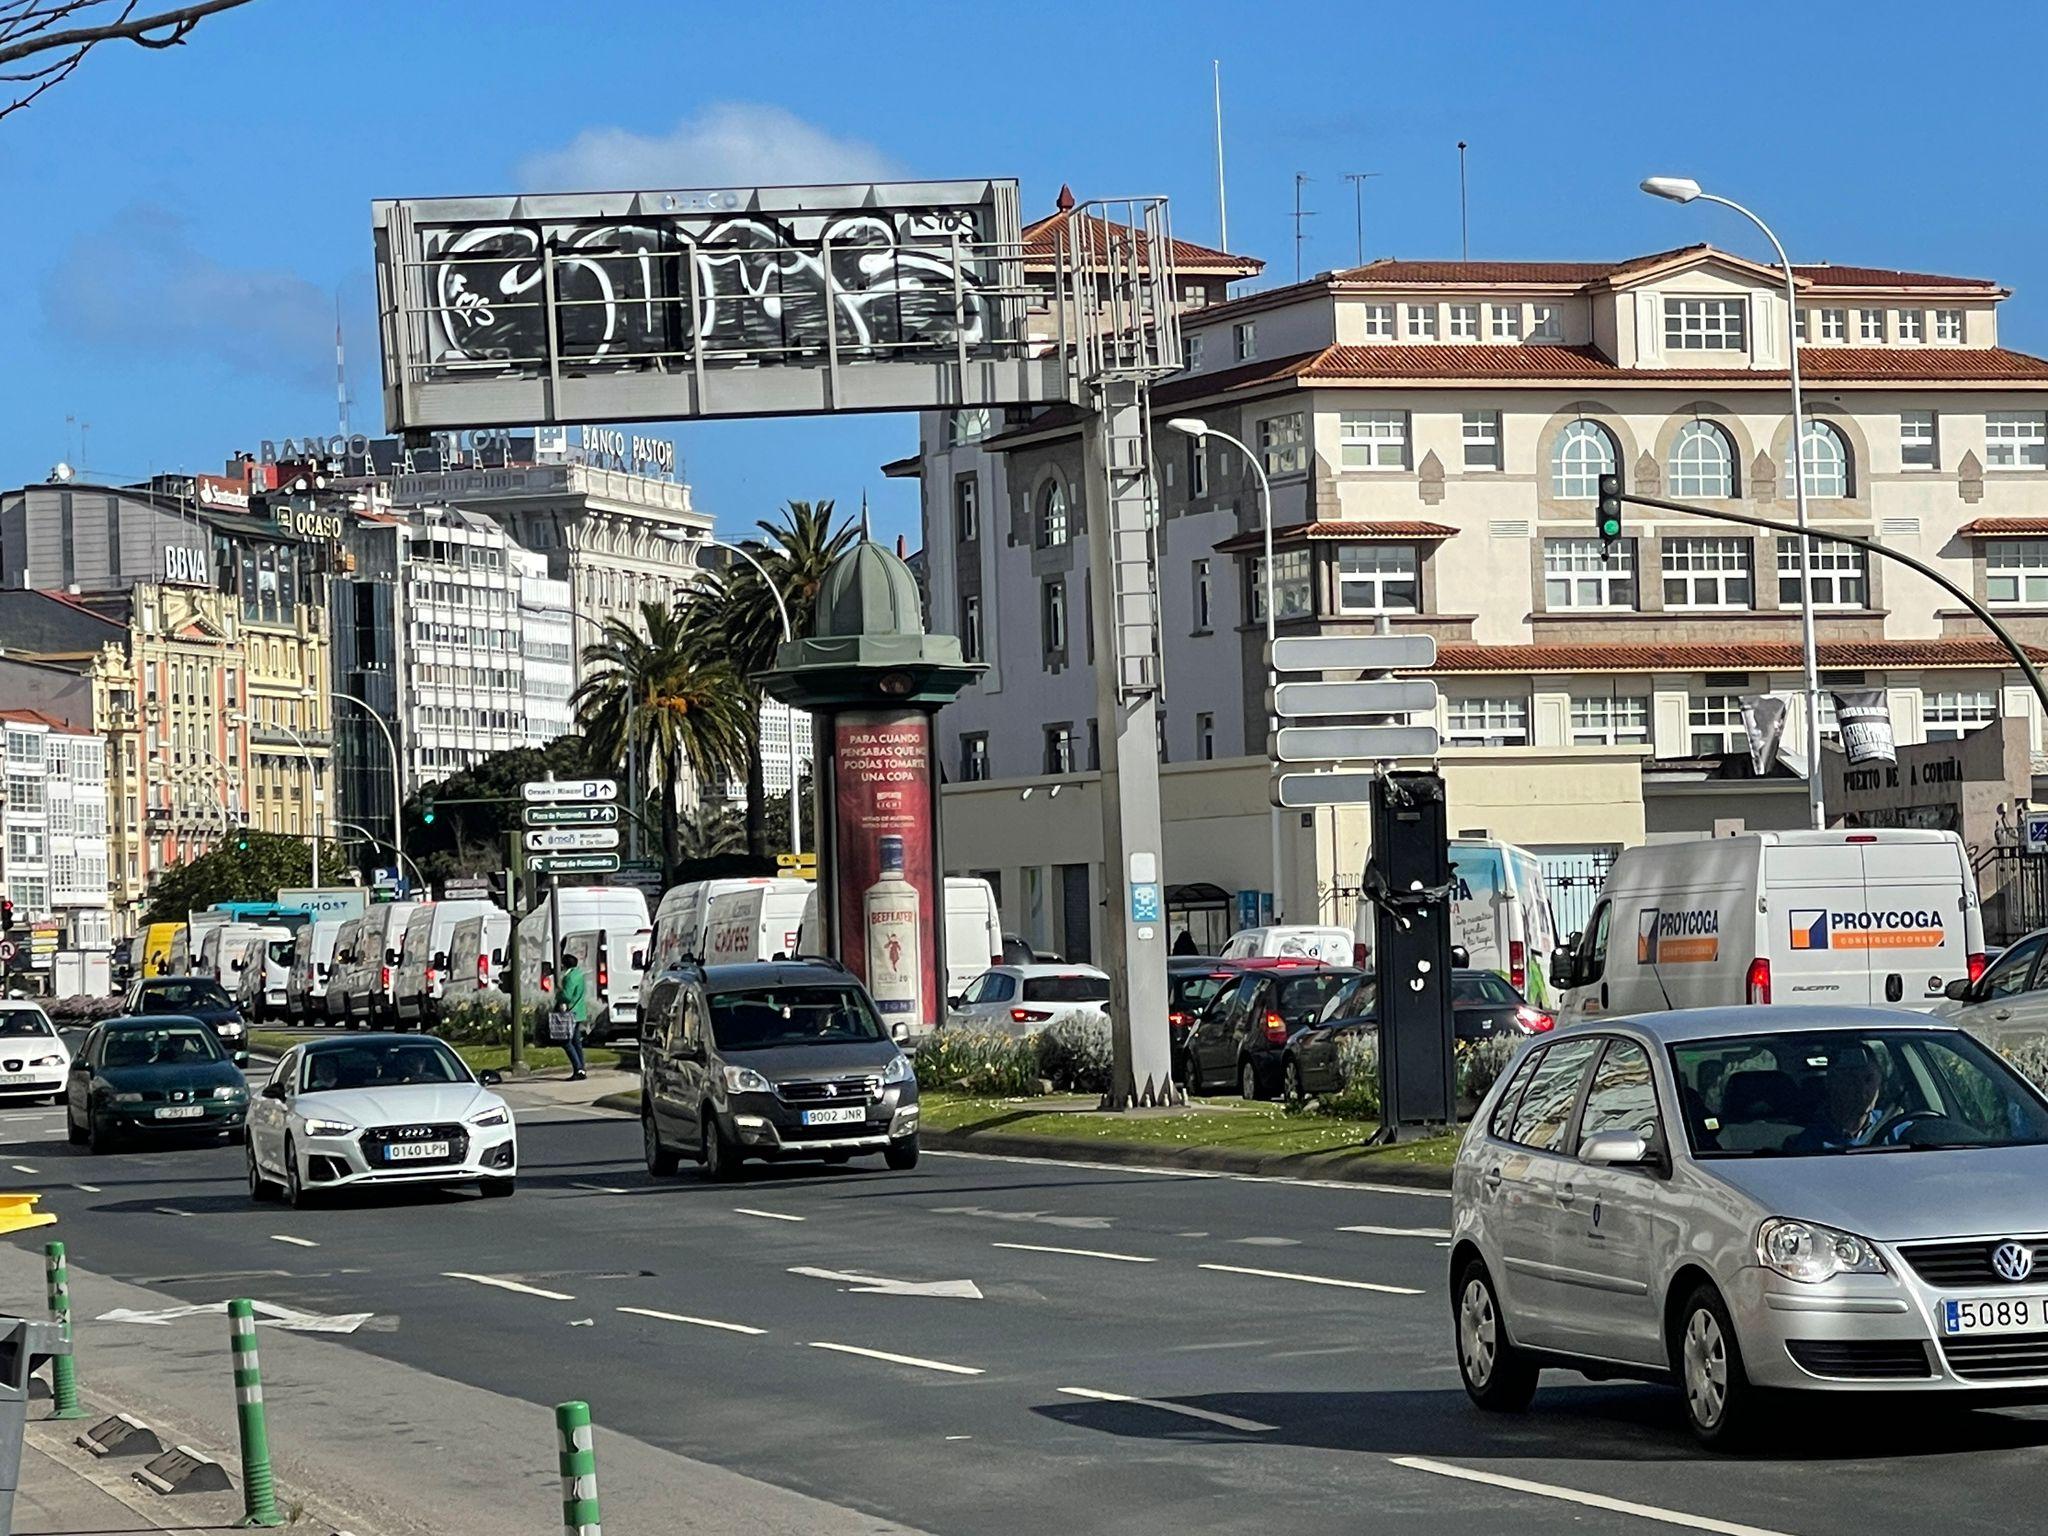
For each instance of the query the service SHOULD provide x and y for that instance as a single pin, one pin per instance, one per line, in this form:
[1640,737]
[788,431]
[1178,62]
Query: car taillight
[1028,1015]
[1276,1029]
[1977,964]
[1518,964]
[431,975]
[383,975]
[1177,1019]
[604,977]
[1534,1020]
[483,971]
[1759,980]
[1360,955]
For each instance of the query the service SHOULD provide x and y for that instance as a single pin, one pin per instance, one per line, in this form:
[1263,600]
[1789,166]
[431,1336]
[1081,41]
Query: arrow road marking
[1281,1274]
[499,1282]
[1079,1253]
[266,1312]
[1227,1420]
[1589,1500]
[875,1285]
[883,1354]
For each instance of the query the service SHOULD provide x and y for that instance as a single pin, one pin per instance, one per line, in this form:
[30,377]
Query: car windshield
[1301,998]
[1481,989]
[168,1045]
[380,1064]
[1191,993]
[761,1017]
[1066,989]
[185,994]
[1847,1091]
[20,1023]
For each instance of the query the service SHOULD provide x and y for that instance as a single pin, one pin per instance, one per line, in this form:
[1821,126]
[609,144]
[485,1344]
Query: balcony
[276,736]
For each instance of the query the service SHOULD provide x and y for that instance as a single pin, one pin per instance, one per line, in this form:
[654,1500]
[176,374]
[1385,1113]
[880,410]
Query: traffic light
[241,840]
[427,806]
[6,914]
[1608,518]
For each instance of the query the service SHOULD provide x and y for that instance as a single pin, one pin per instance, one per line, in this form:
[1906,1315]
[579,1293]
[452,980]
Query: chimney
[1065,201]
[902,548]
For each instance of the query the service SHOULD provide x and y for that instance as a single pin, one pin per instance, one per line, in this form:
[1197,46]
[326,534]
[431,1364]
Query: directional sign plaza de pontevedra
[1393,700]
[572,826]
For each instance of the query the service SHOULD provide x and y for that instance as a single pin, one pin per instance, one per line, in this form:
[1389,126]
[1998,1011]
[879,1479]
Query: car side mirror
[241,1058]
[1961,990]
[1563,968]
[237,965]
[441,960]
[1461,957]
[955,999]
[275,1091]
[490,1079]
[1614,1149]
[639,959]
[392,957]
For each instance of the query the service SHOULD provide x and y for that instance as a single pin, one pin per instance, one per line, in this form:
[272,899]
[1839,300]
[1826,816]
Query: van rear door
[1808,890]
[1914,928]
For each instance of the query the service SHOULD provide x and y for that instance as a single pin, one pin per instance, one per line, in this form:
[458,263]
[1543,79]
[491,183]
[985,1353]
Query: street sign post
[1353,743]
[1301,791]
[2037,832]
[1391,697]
[573,863]
[569,815]
[565,839]
[1355,653]
[562,791]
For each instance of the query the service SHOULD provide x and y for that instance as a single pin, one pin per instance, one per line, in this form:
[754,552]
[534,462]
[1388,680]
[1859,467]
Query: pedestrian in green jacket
[575,998]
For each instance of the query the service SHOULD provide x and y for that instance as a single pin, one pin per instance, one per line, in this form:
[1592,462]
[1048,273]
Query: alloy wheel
[1705,1368]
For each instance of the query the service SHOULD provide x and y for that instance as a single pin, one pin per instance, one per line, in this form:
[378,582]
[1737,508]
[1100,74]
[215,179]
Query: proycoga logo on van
[1818,928]
[1691,936]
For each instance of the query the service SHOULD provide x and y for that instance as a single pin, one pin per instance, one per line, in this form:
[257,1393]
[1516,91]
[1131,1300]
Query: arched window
[1827,462]
[1583,452]
[1052,515]
[1702,462]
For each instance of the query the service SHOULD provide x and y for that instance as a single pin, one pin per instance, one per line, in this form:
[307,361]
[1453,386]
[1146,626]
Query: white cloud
[727,144]
[140,285]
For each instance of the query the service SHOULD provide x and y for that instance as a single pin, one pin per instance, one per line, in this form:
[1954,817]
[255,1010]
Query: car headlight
[746,1080]
[497,1116]
[47,1061]
[230,1093]
[1809,1252]
[898,1070]
[127,1098]
[329,1128]
[231,1026]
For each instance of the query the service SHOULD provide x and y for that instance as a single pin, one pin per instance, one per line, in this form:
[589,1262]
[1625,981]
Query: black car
[1483,1007]
[196,997]
[788,1058]
[1244,1029]
[1191,981]
[152,1075]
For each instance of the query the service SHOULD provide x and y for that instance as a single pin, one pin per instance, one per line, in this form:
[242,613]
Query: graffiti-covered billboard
[733,302]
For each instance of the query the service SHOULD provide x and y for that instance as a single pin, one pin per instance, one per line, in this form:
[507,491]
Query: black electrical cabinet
[1408,881]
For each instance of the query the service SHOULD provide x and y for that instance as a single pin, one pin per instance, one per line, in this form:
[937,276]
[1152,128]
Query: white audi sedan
[34,1059]
[378,1109]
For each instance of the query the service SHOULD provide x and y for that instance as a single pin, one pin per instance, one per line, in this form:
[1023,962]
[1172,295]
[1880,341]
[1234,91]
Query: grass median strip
[1282,1274]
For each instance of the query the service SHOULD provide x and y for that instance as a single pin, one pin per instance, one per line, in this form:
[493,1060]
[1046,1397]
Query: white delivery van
[476,956]
[260,986]
[1501,916]
[974,931]
[1840,917]
[577,909]
[365,963]
[425,960]
[612,960]
[225,950]
[758,922]
[1300,941]
[305,989]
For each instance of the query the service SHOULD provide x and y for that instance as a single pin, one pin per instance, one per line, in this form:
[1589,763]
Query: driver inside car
[1849,1111]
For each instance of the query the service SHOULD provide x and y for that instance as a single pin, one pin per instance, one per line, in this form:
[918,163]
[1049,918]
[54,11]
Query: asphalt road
[1289,1343]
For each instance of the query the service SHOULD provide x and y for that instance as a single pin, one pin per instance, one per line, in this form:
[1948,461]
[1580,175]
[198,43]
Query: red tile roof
[1306,533]
[1041,246]
[1824,276]
[1391,271]
[1992,527]
[1723,656]
[38,717]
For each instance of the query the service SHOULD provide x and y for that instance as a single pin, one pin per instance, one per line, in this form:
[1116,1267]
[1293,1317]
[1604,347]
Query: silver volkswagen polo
[1750,1199]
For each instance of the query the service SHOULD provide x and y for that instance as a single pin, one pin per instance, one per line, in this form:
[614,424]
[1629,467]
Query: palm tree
[714,830]
[740,618]
[670,700]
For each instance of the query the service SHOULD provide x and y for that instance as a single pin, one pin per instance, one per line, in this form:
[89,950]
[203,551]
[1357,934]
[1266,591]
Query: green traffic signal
[427,809]
[1608,518]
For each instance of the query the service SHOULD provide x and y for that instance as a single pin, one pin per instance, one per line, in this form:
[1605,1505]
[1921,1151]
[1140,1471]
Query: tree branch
[129,26]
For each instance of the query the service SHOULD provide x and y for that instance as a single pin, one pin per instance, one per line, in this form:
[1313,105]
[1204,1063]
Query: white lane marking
[90,1189]
[1281,1274]
[172,1210]
[1590,1500]
[22,1168]
[1399,1231]
[883,1354]
[744,1210]
[1227,1420]
[875,1285]
[296,1242]
[694,1322]
[1079,1253]
[1268,1242]
[600,1189]
[1348,1185]
[267,1312]
[501,1283]
[1091,1223]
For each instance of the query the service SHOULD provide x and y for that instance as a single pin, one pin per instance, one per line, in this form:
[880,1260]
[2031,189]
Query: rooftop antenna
[1464,221]
[866,535]
[340,370]
[1222,202]
[1300,213]
[1358,179]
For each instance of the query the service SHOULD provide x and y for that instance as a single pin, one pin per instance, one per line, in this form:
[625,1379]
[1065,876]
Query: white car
[378,1109]
[1022,999]
[33,1057]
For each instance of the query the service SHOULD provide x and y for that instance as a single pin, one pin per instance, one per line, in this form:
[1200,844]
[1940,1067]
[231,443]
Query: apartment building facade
[1433,433]
[55,827]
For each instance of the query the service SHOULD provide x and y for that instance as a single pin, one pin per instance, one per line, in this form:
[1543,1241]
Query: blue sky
[180,223]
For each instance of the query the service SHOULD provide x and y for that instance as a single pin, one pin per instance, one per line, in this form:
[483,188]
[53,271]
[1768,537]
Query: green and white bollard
[259,1493]
[579,1470]
[63,1372]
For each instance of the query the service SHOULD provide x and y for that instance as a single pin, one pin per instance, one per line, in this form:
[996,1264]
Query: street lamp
[397,778]
[1682,189]
[312,778]
[684,536]
[377,842]
[1199,429]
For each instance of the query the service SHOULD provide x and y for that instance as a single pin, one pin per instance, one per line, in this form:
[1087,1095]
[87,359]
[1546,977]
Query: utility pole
[1358,179]
[1464,222]
[1300,213]
[1222,202]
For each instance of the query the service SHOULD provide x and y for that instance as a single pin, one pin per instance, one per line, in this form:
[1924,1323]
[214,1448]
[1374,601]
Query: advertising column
[888,897]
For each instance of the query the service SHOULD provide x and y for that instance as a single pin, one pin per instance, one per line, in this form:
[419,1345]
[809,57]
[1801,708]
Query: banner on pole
[1763,722]
[1865,721]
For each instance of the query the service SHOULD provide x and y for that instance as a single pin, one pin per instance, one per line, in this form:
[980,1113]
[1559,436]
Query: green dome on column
[869,591]
[867,643]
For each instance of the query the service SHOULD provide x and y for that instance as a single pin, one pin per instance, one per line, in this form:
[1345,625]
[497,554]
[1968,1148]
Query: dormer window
[1422,322]
[1379,322]
[1546,322]
[1912,325]
[1507,322]
[1705,325]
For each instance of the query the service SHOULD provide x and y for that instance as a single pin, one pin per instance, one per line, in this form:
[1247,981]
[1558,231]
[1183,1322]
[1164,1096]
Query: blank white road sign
[1354,653]
[1395,697]
[1353,743]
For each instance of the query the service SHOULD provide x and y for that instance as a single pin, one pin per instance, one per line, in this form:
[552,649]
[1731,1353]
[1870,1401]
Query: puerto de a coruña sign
[739,301]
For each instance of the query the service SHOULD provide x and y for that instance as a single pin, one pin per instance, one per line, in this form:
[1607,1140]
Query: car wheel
[1720,1404]
[99,1133]
[1191,1073]
[1296,1093]
[260,1188]
[661,1162]
[1248,1080]
[718,1158]
[498,1189]
[296,1195]
[902,1154]
[1497,1375]
[73,1131]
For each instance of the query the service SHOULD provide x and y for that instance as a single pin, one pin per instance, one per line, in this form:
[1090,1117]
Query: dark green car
[150,1076]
